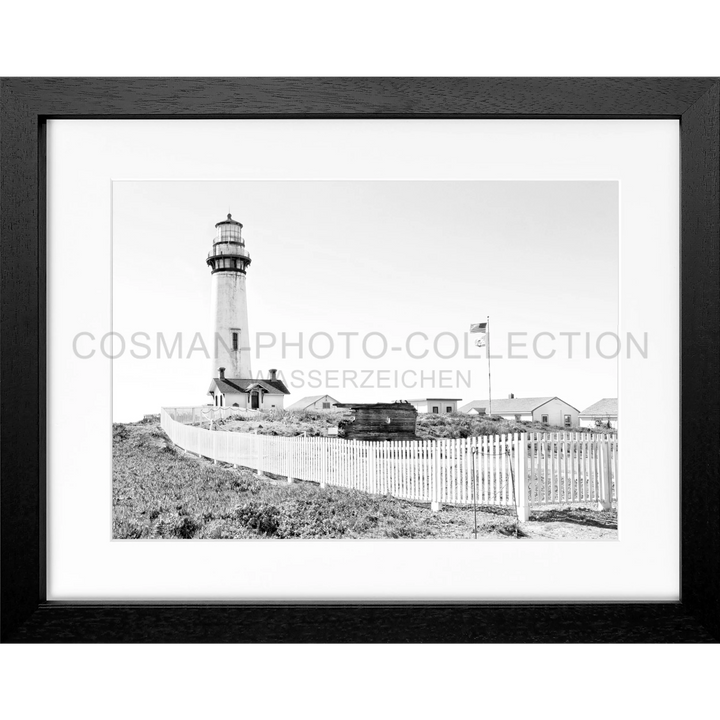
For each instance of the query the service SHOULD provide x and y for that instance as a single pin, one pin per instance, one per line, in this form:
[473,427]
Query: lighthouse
[232,382]
[228,262]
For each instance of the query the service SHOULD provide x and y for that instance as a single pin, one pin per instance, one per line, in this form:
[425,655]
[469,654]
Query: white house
[546,410]
[248,393]
[315,402]
[603,412]
[440,406]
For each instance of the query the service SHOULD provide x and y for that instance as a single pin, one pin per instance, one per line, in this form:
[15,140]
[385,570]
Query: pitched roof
[236,385]
[606,406]
[420,400]
[510,406]
[400,404]
[309,400]
[278,385]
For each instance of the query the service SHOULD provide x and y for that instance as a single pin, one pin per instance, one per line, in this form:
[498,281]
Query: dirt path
[556,523]
[573,523]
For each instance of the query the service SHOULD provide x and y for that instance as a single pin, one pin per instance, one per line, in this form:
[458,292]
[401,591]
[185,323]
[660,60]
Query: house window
[326,406]
[544,419]
[436,409]
[448,408]
[568,421]
[235,341]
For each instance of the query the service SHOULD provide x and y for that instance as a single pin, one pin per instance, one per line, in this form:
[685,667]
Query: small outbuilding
[379,421]
[314,402]
[441,406]
[603,413]
[546,410]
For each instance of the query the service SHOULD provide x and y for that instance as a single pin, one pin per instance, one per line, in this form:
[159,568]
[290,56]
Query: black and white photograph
[370,359]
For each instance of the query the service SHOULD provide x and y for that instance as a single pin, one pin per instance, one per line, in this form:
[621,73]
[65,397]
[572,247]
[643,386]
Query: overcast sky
[392,257]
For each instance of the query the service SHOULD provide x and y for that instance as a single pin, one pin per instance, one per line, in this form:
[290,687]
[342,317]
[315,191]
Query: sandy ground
[555,523]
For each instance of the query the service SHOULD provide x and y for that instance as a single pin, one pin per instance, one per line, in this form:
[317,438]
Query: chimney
[221,372]
[511,396]
[273,374]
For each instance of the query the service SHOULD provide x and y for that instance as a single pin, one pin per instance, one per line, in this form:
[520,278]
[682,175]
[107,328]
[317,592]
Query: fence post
[324,446]
[323,463]
[614,463]
[214,439]
[605,499]
[372,476]
[259,448]
[435,504]
[292,461]
[521,478]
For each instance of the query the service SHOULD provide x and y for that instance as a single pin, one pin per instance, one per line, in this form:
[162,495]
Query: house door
[255,400]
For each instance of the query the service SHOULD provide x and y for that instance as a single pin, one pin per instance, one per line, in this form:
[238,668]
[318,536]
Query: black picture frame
[25,106]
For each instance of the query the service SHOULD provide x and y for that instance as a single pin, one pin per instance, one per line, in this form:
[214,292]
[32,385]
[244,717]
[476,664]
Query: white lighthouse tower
[228,261]
[233,384]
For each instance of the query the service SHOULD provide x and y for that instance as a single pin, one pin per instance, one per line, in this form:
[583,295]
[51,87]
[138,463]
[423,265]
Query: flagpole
[487,348]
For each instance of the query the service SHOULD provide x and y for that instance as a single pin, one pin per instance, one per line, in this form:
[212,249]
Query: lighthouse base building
[247,393]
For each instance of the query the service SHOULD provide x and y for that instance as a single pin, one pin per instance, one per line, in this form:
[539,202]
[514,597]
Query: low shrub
[124,529]
[508,528]
[312,518]
[120,432]
[181,527]
[264,518]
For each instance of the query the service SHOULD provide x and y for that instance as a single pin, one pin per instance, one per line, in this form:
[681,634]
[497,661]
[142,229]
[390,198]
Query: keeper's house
[315,402]
[440,406]
[603,413]
[546,410]
[248,393]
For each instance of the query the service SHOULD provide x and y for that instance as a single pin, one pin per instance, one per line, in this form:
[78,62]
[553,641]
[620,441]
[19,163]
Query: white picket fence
[205,413]
[522,469]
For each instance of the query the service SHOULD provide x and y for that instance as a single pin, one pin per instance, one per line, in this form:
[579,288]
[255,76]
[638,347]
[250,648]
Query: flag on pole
[480,328]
